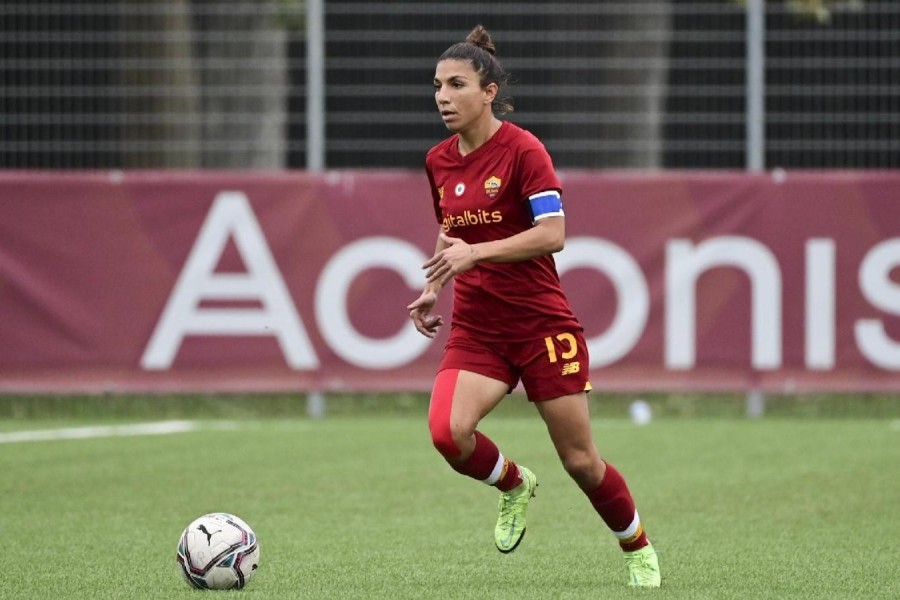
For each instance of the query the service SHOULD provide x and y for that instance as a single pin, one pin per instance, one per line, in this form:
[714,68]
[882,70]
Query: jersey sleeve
[536,172]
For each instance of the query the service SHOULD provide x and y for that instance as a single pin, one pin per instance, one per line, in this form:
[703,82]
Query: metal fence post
[756,84]
[315,85]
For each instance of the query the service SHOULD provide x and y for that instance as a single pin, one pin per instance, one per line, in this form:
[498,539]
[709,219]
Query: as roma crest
[492,186]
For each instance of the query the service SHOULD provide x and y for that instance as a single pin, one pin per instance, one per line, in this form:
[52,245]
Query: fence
[283,83]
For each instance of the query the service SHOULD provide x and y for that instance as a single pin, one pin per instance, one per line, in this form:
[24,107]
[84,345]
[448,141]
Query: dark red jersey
[484,196]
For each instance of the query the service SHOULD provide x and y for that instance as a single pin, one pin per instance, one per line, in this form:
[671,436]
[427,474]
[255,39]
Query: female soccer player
[497,199]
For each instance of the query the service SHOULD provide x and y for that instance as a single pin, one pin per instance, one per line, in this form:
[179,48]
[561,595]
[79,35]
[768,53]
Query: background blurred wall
[227,87]
[221,280]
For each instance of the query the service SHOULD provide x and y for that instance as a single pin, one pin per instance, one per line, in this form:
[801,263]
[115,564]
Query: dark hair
[479,49]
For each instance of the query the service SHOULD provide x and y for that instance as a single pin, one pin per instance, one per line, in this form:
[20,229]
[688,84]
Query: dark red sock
[487,465]
[614,504]
[509,477]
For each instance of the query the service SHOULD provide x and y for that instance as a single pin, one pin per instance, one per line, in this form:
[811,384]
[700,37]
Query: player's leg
[459,400]
[568,422]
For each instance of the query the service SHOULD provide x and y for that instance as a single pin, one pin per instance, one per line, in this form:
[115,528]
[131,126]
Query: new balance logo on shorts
[571,367]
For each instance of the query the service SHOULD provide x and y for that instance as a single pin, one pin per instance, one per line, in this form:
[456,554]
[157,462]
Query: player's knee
[581,465]
[442,438]
[447,439]
[442,435]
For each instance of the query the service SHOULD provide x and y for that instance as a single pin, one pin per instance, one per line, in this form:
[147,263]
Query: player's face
[459,96]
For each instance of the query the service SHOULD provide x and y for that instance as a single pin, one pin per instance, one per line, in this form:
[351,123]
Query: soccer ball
[218,551]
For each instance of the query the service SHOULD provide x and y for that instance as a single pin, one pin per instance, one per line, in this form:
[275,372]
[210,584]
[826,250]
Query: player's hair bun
[480,37]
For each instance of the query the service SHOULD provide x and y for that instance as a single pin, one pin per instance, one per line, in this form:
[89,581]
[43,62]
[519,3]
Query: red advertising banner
[156,281]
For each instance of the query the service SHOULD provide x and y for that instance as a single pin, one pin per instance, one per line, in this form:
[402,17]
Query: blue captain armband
[545,204]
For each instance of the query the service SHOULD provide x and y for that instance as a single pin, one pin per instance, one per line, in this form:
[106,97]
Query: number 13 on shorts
[569,350]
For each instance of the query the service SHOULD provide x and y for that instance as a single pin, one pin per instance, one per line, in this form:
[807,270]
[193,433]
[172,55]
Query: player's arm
[419,310]
[547,236]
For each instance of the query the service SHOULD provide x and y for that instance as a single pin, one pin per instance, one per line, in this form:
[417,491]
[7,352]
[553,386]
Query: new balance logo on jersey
[571,367]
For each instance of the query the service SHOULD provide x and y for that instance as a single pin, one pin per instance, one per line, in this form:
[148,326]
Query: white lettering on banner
[231,216]
[685,262]
[876,285]
[820,304]
[632,295]
[333,289]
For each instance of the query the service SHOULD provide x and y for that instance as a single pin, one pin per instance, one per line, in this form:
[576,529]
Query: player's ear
[490,93]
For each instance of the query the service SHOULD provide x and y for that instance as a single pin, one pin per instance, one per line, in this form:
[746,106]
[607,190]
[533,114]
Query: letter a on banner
[230,217]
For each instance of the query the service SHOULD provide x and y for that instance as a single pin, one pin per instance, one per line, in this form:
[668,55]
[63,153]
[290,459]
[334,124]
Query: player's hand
[419,311]
[456,258]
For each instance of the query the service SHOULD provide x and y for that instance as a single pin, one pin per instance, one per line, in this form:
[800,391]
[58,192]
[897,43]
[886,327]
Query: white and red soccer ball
[218,551]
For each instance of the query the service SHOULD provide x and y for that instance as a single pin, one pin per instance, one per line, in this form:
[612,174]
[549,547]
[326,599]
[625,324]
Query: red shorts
[548,367]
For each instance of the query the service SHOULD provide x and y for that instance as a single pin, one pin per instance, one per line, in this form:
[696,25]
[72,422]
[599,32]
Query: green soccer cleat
[643,567]
[511,523]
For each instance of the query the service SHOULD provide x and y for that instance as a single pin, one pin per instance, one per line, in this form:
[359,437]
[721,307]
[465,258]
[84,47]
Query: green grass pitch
[363,507]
